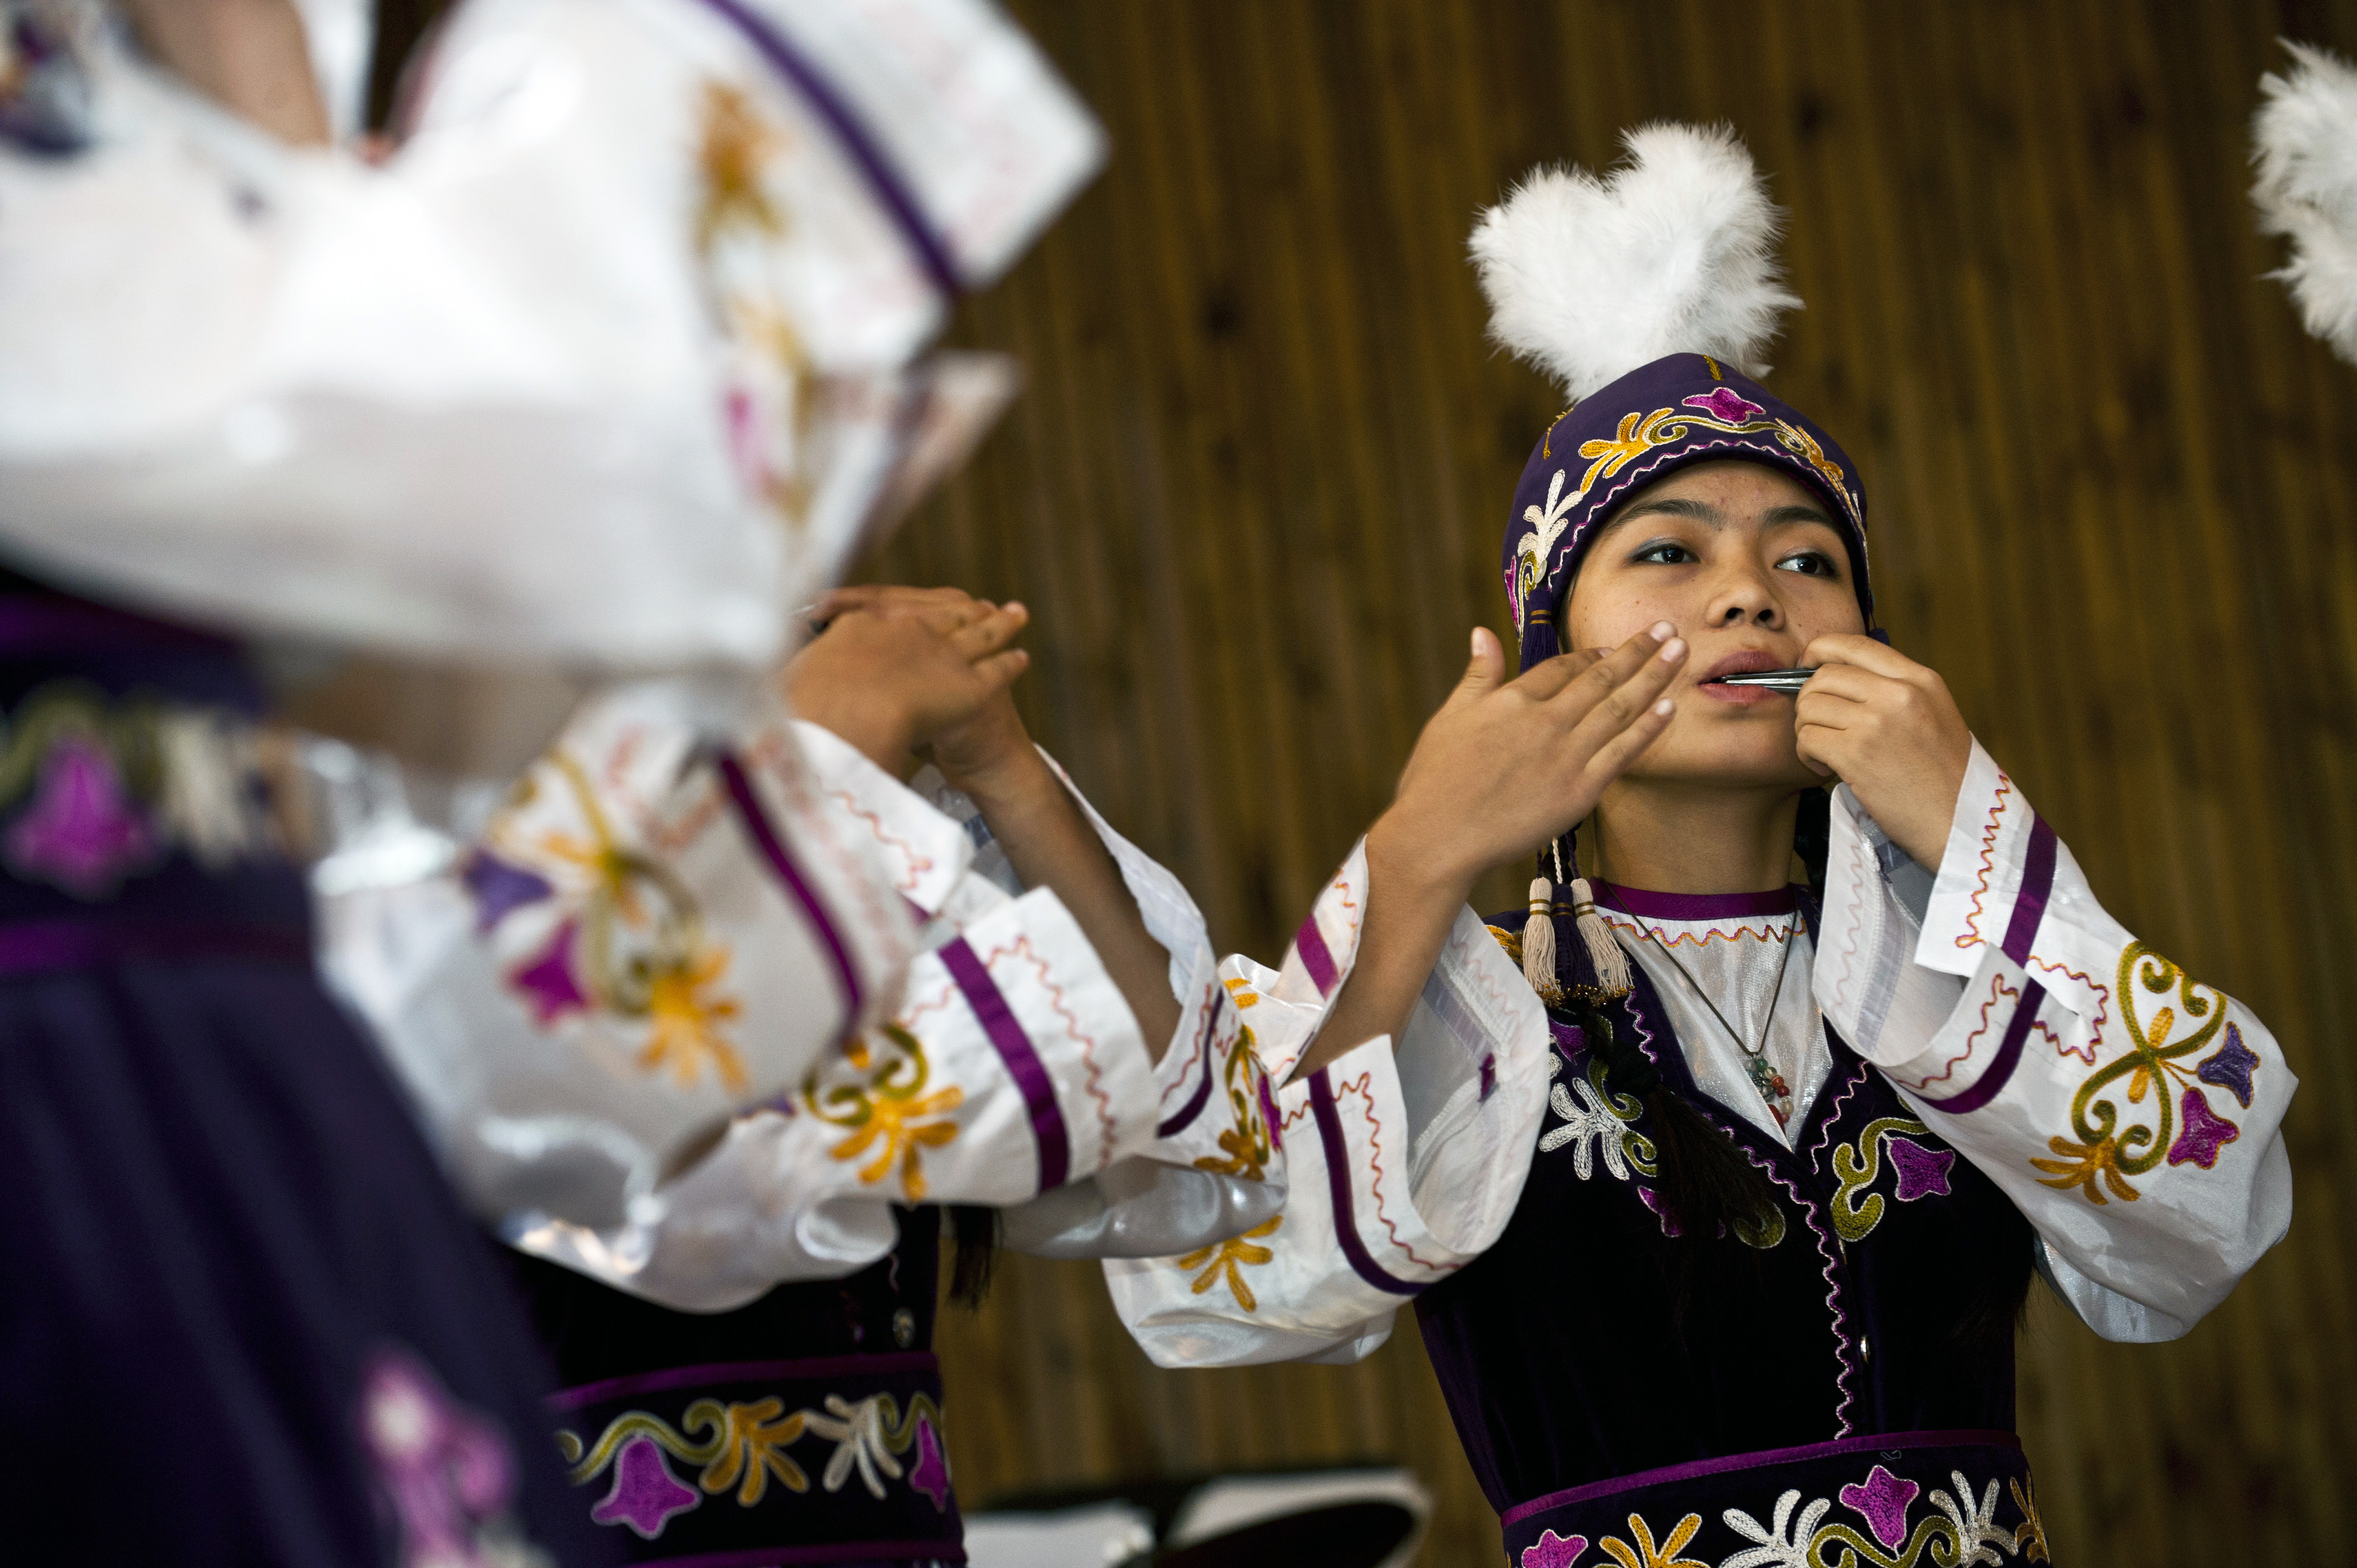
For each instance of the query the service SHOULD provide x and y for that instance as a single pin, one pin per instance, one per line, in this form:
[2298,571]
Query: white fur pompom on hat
[2306,148]
[1672,252]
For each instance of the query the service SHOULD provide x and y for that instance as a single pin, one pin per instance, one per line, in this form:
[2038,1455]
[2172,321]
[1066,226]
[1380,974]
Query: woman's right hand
[1506,765]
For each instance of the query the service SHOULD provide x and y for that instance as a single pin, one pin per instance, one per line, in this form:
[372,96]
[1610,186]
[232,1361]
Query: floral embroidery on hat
[1726,404]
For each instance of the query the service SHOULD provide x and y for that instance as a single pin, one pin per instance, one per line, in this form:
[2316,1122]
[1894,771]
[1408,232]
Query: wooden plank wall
[1254,494]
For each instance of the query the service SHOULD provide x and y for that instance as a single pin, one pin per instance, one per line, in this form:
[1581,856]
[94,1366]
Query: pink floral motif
[2205,1129]
[1922,1173]
[1554,1550]
[930,1474]
[2230,1068]
[81,832]
[1881,1500]
[1728,404]
[547,980]
[444,1474]
[645,1493]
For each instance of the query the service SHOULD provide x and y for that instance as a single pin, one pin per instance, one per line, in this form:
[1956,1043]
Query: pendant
[1771,1087]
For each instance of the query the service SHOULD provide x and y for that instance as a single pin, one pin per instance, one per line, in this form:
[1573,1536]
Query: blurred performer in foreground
[1716,1195]
[600,376]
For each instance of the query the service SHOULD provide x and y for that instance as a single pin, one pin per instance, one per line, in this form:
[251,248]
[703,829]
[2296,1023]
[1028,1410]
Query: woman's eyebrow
[1676,506]
[1775,515]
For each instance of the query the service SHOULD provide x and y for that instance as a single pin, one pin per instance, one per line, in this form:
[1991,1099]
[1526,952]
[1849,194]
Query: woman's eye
[1665,554]
[1809,563]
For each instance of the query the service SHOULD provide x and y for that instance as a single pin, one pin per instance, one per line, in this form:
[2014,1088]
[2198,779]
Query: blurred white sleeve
[608,365]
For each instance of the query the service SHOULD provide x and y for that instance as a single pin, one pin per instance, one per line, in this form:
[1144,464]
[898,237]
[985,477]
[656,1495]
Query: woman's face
[1746,563]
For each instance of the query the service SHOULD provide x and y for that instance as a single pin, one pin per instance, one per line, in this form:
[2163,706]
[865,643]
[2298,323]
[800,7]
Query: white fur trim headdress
[2305,138]
[1671,252]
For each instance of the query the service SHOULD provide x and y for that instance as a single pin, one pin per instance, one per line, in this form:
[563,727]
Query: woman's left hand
[1887,727]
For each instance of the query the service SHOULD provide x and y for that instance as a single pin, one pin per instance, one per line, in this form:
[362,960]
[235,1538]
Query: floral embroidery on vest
[743,1446]
[1645,1554]
[1604,1124]
[1921,1173]
[116,784]
[444,1474]
[1960,1532]
[2168,1117]
[887,1109]
[1554,1550]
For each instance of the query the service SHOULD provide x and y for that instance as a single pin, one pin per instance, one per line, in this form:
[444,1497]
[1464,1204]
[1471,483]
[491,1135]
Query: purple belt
[38,947]
[1905,1497]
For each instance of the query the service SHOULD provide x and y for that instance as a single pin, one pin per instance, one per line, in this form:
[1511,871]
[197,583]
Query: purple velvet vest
[1591,1359]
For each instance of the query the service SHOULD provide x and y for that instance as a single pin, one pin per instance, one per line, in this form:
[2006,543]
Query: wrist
[1015,773]
[1402,857]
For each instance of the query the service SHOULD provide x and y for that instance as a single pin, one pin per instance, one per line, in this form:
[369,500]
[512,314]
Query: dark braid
[974,1228]
[1707,1185]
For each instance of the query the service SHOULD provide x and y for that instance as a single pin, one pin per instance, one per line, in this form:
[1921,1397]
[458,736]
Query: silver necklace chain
[1790,931]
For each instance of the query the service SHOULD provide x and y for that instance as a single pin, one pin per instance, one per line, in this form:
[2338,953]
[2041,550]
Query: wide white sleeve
[1404,1158]
[1012,1074]
[651,935]
[2132,1114]
[606,365]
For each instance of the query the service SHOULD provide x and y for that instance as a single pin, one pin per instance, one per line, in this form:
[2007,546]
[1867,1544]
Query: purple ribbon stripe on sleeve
[1316,957]
[2008,1056]
[758,827]
[2028,909]
[1322,1105]
[2037,885]
[1023,1064]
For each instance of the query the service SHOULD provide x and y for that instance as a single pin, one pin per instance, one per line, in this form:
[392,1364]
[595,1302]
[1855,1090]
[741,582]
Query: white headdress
[1672,252]
[2305,144]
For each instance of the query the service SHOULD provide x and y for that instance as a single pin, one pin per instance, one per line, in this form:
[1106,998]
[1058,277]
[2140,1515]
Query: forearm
[1411,906]
[248,56]
[1051,845]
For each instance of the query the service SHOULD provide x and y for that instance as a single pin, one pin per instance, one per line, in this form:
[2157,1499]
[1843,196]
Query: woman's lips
[1740,662]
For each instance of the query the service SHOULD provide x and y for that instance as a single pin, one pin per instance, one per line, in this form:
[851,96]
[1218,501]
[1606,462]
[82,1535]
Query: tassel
[1604,954]
[1538,943]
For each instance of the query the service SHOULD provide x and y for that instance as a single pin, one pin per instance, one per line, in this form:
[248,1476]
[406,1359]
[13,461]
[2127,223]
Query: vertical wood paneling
[1254,490]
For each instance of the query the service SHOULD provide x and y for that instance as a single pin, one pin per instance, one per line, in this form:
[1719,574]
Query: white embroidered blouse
[2129,1111]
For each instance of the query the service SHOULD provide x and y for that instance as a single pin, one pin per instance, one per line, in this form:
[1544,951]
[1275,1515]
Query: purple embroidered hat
[1680,410]
[1649,293]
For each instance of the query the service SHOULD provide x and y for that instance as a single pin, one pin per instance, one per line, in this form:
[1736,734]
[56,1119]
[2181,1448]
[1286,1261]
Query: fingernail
[1663,630]
[1674,650]
[1475,639]
[1666,707]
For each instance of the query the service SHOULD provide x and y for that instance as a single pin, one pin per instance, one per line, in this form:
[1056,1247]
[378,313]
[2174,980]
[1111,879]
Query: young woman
[1717,1195]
